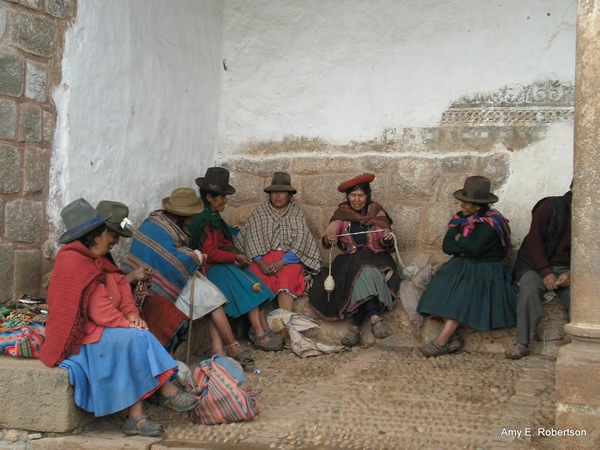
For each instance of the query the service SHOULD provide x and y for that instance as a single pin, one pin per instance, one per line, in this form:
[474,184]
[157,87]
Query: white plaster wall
[138,104]
[344,70]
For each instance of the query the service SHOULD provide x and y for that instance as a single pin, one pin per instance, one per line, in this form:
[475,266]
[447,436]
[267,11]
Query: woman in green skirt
[474,288]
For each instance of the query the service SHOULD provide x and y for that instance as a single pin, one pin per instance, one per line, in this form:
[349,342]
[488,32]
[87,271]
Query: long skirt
[119,370]
[478,294]
[289,279]
[358,277]
[237,286]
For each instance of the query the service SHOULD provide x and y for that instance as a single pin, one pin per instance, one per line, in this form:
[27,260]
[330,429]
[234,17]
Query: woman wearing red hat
[475,287]
[365,275]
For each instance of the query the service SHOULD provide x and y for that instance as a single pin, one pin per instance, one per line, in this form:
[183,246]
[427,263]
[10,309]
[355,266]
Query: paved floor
[381,397]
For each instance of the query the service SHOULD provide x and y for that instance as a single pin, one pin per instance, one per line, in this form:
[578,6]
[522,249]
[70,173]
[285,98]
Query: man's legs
[530,311]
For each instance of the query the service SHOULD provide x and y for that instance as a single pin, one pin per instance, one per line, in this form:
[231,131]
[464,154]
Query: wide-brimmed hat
[216,181]
[476,190]
[183,202]
[118,211]
[79,218]
[281,182]
[364,178]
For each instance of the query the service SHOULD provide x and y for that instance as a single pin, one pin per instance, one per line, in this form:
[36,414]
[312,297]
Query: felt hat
[281,182]
[216,181]
[183,202]
[118,211]
[476,190]
[364,178]
[79,218]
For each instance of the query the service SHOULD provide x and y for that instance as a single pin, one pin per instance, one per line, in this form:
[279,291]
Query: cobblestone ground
[381,398]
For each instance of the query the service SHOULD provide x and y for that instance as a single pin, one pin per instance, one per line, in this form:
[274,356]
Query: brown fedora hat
[79,218]
[117,211]
[216,181]
[281,182]
[476,190]
[183,202]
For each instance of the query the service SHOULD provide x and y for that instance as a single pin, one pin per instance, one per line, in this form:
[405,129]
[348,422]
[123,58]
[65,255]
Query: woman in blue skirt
[94,329]
[474,288]
[226,265]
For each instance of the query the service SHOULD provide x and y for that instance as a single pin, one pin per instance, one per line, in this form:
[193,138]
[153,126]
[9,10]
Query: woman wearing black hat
[365,275]
[475,287]
[225,263]
[278,239]
[94,329]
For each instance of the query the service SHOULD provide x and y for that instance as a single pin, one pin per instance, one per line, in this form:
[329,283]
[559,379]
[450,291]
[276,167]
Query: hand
[550,282]
[276,267]
[564,279]
[141,273]
[263,267]
[137,322]
[387,234]
[457,236]
[331,239]
[243,260]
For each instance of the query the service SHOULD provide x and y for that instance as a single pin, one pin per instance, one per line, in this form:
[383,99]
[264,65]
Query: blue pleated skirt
[237,288]
[479,294]
[117,371]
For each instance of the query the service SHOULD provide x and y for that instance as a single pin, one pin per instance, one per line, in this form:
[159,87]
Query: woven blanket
[268,230]
[24,341]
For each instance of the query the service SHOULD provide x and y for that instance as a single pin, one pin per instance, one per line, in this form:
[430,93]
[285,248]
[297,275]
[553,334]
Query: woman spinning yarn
[366,279]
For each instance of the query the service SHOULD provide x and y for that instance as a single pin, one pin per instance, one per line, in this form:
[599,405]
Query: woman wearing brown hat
[94,329]
[365,274]
[162,243]
[226,264]
[279,241]
[474,288]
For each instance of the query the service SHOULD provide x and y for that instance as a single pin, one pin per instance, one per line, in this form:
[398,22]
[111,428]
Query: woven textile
[24,341]
[216,383]
[268,230]
[162,245]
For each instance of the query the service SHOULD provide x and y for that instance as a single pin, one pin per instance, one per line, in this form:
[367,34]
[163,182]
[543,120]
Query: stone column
[578,364]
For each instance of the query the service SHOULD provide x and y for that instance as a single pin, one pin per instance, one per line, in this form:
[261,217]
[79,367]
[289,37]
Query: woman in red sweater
[94,329]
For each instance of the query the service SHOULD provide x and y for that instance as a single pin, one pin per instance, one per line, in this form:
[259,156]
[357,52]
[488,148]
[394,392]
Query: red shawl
[76,271]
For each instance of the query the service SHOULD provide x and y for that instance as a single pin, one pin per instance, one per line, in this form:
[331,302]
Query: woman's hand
[137,322]
[387,234]
[331,239]
[141,273]
[276,267]
[263,267]
[243,260]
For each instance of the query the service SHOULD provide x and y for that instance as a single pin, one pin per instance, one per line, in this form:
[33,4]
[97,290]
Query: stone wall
[31,40]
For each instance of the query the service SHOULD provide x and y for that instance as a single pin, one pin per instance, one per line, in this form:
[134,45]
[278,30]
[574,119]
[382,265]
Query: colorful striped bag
[217,384]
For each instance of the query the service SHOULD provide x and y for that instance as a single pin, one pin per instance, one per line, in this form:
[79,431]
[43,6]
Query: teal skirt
[237,285]
[478,294]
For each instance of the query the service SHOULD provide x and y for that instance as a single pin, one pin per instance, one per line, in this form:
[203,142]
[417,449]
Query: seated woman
[226,263]
[365,275]
[95,332]
[278,240]
[475,287]
[162,316]
[161,243]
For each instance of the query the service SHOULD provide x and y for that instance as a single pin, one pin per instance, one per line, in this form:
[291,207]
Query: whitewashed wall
[138,104]
[345,70]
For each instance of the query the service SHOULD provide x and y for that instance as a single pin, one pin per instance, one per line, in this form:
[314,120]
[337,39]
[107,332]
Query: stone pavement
[383,396]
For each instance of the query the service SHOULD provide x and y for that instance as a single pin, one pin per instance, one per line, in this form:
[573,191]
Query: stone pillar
[578,364]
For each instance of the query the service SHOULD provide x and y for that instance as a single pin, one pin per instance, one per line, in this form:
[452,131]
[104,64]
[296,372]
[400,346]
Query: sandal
[380,329]
[180,401]
[455,343]
[517,351]
[432,349]
[148,428]
[244,358]
[352,337]
[274,344]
